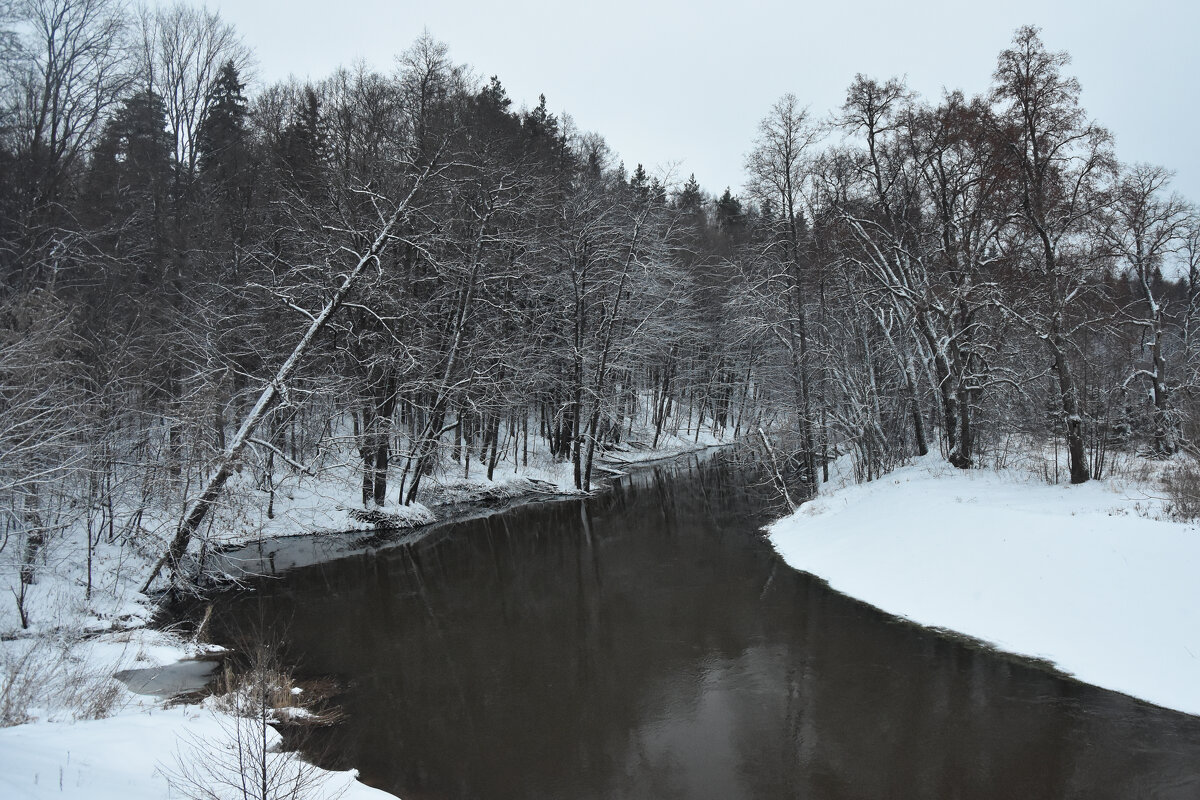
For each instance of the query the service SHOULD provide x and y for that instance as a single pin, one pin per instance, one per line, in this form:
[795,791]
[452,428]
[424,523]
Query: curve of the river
[648,643]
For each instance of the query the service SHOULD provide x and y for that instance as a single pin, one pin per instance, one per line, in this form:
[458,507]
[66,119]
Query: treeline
[478,281]
[497,283]
[979,275]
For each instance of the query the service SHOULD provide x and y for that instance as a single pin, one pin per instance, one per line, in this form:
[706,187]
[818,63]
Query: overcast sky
[686,83]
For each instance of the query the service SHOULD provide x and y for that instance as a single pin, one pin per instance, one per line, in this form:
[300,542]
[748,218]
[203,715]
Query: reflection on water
[648,643]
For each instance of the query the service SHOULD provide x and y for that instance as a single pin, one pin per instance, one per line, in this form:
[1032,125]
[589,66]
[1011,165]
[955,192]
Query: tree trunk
[1069,396]
[1166,434]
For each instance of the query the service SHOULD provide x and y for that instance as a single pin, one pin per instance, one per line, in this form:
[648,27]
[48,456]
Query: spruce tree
[128,182]
[223,132]
[303,144]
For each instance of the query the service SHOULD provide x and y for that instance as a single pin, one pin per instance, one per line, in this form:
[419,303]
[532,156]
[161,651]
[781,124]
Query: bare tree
[1190,257]
[880,209]
[1060,161]
[40,433]
[957,318]
[777,172]
[1144,229]
[71,73]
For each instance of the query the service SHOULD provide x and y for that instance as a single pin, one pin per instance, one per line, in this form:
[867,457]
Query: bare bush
[1182,482]
[19,682]
[54,678]
[247,761]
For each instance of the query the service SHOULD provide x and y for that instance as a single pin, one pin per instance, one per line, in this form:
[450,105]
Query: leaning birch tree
[276,386]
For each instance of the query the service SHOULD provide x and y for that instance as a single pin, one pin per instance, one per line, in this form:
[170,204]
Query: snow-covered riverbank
[1094,578]
[138,752]
[87,736]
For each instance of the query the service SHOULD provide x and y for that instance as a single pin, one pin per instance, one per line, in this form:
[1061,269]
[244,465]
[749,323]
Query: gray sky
[687,82]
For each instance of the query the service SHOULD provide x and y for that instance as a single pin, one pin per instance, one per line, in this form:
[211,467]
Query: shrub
[1182,482]
[247,762]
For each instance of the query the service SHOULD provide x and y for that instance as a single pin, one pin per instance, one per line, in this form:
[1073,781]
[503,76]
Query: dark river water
[648,643]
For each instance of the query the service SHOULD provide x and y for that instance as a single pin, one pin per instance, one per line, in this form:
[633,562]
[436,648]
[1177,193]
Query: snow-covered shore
[138,741]
[1094,578]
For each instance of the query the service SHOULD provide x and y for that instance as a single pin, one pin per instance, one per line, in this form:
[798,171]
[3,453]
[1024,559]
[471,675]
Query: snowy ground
[131,751]
[669,445]
[82,733]
[1093,578]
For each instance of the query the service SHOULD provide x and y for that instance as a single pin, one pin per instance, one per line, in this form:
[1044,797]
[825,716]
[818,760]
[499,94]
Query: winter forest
[392,275]
[232,310]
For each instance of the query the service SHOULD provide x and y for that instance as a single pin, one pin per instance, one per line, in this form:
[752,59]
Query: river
[648,643]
